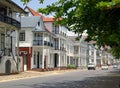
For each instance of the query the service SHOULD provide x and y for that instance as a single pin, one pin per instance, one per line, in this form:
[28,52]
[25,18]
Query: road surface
[75,79]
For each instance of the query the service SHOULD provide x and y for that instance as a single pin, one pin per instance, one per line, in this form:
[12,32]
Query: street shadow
[90,82]
[110,80]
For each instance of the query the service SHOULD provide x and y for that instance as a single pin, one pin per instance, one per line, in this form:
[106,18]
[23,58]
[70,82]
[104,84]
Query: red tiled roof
[45,19]
[48,19]
[34,13]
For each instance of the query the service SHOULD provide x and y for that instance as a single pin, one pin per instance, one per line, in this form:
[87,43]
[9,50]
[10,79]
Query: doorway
[38,60]
[25,61]
[55,60]
[8,67]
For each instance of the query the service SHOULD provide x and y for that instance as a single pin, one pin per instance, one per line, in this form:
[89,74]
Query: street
[75,79]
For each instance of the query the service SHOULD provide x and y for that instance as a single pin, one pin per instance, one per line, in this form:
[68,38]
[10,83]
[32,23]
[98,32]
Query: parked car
[91,66]
[115,65]
[104,67]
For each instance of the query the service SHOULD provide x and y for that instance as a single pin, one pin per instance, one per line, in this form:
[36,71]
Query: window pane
[22,36]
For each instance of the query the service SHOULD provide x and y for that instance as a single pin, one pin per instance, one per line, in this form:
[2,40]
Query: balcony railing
[41,42]
[57,48]
[46,43]
[38,42]
[9,20]
[61,48]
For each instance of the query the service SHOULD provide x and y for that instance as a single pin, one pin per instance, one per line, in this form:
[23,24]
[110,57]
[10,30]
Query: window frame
[22,35]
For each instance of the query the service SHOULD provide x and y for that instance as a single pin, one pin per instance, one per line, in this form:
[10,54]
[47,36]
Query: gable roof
[34,13]
[29,21]
[45,19]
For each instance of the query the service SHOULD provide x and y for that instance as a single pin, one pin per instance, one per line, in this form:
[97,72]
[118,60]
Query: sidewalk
[30,74]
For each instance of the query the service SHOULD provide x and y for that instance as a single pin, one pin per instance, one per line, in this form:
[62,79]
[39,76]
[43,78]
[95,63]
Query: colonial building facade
[47,42]
[9,27]
[45,45]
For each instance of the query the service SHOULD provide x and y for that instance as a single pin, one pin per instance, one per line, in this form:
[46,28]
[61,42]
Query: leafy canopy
[101,19]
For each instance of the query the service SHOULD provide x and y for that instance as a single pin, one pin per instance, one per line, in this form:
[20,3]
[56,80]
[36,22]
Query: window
[38,23]
[38,39]
[55,29]
[76,49]
[83,50]
[22,36]
[2,45]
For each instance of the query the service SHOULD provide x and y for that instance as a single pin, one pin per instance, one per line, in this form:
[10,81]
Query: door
[45,62]
[8,67]
[38,60]
[25,62]
[55,60]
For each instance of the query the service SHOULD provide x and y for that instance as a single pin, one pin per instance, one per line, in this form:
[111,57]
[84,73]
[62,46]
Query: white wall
[13,64]
[48,25]
[28,38]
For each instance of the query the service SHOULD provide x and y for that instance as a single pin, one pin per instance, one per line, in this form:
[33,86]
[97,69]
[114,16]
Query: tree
[101,19]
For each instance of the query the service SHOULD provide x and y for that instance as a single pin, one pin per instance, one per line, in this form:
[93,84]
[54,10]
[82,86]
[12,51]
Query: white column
[95,58]
[48,59]
[32,60]
[59,43]
[52,60]
[69,59]
[43,53]
[80,61]
[65,59]
[43,59]
[79,57]
[17,52]
[108,57]
[59,60]
[59,63]
[101,60]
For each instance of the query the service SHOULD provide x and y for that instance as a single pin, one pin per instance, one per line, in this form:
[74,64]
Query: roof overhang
[12,5]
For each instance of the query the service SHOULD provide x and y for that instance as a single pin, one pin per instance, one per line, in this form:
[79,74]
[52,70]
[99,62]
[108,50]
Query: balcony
[57,48]
[41,43]
[37,42]
[9,20]
[51,44]
[46,43]
[62,49]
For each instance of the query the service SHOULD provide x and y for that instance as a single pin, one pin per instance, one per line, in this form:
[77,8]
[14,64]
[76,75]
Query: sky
[34,4]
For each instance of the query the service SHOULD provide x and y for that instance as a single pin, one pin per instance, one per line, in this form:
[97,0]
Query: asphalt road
[76,79]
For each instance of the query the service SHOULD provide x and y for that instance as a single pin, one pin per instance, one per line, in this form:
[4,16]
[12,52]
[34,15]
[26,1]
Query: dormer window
[39,23]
